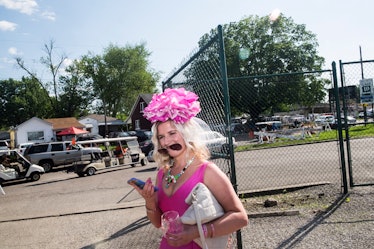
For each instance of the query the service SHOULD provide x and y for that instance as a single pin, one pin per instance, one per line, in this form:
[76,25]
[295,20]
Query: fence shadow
[306,229]
[128,229]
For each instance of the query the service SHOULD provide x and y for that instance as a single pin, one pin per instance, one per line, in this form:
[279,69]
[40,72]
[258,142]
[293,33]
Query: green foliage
[22,100]
[119,76]
[77,95]
[261,55]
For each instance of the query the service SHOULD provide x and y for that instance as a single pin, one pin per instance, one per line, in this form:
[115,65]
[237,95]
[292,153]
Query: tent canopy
[71,131]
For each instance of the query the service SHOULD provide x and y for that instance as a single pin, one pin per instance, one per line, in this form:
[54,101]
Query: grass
[356,131]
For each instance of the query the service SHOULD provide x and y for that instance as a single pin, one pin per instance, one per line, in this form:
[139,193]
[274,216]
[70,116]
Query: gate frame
[349,157]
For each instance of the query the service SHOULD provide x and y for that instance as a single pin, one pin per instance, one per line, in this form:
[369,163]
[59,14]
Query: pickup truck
[53,154]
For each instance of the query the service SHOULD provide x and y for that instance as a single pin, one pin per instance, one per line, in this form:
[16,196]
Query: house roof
[101,119]
[33,119]
[63,123]
[147,97]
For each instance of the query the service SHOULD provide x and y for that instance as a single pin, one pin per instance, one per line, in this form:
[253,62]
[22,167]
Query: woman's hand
[186,236]
[148,191]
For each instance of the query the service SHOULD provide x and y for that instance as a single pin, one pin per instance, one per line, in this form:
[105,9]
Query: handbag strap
[198,221]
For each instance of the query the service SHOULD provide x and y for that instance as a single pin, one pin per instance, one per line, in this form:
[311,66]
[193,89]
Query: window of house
[35,135]
[142,106]
[137,124]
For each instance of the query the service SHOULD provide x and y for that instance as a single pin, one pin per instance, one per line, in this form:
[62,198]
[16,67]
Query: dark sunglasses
[164,151]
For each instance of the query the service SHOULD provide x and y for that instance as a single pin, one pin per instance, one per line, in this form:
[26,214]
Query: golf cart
[13,166]
[120,151]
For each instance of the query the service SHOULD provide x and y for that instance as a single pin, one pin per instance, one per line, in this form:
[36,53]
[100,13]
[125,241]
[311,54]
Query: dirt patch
[307,201]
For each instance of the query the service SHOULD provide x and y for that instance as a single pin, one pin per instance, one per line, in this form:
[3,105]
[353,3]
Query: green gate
[268,149]
[359,138]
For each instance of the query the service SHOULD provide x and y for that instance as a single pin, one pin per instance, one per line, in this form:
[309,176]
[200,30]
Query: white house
[34,130]
[97,124]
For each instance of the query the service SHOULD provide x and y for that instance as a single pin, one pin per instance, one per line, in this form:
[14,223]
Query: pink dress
[176,201]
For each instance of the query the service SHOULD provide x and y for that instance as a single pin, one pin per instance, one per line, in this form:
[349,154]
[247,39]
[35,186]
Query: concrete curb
[87,211]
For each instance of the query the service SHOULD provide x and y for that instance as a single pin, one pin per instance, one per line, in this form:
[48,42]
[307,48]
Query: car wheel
[35,177]
[47,165]
[144,162]
[91,171]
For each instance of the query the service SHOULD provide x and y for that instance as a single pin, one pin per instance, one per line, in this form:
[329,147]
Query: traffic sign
[366,91]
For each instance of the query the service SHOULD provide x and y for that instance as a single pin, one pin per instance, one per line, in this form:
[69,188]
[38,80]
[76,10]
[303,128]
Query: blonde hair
[192,133]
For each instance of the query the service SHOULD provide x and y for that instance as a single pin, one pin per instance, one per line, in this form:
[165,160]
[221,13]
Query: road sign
[366,91]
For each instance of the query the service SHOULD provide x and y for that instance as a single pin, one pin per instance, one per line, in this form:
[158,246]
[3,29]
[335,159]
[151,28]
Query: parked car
[325,119]
[4,147]
[141,134]
[88,136]
[369,113]
[350,121]
[216,142]
[49,155]
[150,156]
[146,146]
[115,134]
[21,148]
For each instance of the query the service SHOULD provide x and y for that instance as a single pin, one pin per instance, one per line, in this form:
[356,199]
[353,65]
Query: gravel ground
[324,221]
[314,217]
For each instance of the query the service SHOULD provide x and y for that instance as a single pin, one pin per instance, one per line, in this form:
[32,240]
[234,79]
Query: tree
[22,100]
[77,94]
[259,52]
[54,66]
[119,76]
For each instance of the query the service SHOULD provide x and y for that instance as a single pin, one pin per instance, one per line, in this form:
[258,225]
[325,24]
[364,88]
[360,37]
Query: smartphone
[138,183]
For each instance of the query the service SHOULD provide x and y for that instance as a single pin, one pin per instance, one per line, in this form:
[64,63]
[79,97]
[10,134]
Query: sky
[170,29]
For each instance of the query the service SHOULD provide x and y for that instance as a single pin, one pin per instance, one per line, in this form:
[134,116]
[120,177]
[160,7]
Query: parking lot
[64,208]
[65,211]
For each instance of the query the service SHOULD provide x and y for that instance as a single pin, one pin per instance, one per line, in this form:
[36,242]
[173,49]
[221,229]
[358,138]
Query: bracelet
[205,230]
[212,228]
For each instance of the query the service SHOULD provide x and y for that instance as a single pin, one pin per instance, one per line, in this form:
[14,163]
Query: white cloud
[7,60]
[7,26]
[48,15]
[13,51]
[67,62]
[24,6]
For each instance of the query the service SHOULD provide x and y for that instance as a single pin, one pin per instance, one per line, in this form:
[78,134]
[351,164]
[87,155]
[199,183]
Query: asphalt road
[102,211]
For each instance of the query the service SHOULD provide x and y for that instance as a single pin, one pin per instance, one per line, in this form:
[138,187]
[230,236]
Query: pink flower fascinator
[176,104]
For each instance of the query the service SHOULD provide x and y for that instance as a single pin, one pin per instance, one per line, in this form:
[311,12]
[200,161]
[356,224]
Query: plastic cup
[171,222]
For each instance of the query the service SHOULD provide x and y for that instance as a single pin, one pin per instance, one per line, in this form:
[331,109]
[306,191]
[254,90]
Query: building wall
[93,122]
[27,131]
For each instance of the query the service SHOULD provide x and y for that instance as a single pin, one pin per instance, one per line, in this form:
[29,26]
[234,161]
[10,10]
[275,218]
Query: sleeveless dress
[176,201]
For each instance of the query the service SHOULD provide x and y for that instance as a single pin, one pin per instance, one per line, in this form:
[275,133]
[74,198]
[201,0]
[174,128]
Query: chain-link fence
[359,142]
[277,138]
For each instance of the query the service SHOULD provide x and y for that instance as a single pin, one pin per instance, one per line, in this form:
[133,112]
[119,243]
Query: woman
[183,159]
